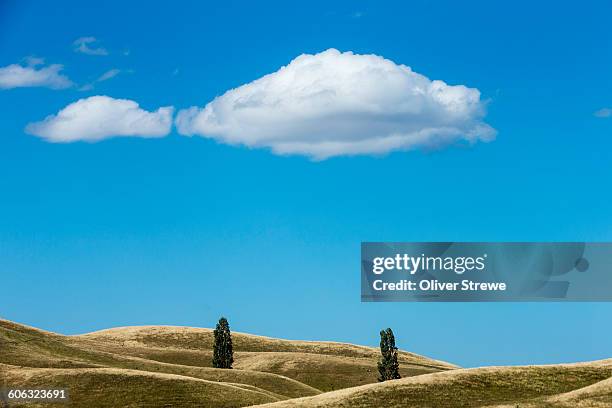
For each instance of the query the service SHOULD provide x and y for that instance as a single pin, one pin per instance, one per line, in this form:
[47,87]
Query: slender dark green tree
[223,353]
[388,366]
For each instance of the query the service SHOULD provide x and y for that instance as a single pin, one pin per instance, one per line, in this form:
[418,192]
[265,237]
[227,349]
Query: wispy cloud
[603,113]
[111,73]
[33,75]
[358,14]
[89,46]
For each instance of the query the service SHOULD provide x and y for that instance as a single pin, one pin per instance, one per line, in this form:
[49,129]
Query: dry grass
[268,368]
[482,387]
[163,366]
[108,387]
[598,395]
[191,338]
[324,372]
[325,366]
[27,347]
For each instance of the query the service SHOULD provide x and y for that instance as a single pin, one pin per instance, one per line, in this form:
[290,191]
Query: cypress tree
[384,352]
[223,353]
[388,366]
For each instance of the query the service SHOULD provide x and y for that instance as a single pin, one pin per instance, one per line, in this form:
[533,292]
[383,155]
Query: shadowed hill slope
[598,395]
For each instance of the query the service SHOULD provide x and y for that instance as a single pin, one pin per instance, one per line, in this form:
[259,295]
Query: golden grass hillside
[325,366]
[112,388]
[598,395]
[177,361]
[529,386]
[28,347]
[191,338]
[165,366]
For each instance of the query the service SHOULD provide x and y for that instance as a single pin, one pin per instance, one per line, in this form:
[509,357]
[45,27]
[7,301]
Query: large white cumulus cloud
[334,103]
[101,117]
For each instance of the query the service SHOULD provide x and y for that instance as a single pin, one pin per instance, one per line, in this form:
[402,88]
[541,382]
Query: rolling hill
[111,387]
[136,360]
[322,365]
[168,366]
[558,386]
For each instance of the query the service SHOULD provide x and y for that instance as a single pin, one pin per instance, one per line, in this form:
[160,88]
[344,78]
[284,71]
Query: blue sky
[180,230]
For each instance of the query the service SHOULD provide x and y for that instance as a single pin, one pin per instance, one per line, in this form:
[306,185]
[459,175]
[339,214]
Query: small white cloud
[101,117]
[19,76]
[334,103]
[358,14]
[603,113]
[89,46]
